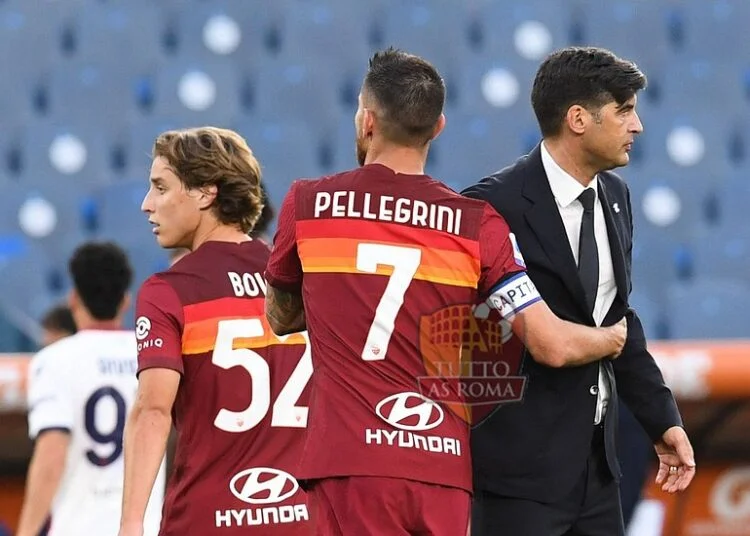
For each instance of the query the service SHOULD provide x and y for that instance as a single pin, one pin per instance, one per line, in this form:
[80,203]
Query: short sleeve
[158,326]
[499,252]
[49,398]
[284,269]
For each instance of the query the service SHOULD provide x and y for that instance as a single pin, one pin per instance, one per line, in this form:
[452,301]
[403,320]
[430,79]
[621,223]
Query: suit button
[594,390]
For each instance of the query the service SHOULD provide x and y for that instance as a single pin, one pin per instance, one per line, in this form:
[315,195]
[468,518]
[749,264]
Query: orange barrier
[705,370]
[717,503]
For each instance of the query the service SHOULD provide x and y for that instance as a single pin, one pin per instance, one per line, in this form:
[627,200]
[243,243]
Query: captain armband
[513,295]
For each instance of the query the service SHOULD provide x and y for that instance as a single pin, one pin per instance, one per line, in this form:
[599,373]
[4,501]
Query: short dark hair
[59,318]
[101,275]
[266,215]
[210,156]
[588,76]
[409,93]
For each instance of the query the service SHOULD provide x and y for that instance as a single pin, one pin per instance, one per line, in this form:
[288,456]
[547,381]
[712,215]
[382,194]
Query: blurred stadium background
[86,85]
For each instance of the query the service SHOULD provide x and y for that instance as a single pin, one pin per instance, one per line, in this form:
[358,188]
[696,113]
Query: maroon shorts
[379,506]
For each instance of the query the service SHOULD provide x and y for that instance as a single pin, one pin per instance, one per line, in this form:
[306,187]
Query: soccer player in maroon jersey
[361,258]
[208,360]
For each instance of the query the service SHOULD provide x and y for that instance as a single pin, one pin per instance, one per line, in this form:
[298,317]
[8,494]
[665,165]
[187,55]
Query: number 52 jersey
[241,407]
[85,385]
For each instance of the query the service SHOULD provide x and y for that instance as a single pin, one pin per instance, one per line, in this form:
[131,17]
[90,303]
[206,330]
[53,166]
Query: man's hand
[676,460]
[620,333]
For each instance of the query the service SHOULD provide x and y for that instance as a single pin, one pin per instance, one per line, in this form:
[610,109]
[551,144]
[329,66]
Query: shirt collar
[564,187]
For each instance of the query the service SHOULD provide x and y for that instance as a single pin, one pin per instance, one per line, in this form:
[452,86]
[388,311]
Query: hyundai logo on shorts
[263,485]
[410,411]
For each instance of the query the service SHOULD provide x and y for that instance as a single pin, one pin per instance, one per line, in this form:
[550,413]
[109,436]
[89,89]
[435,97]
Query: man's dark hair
[267,214]
[59,318]
[409,94]
[101,275]
[588,76]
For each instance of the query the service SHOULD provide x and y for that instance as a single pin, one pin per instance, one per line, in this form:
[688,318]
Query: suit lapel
[543,218]
[615,244]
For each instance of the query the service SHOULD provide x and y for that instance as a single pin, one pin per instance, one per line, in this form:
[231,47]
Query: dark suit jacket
[537,449]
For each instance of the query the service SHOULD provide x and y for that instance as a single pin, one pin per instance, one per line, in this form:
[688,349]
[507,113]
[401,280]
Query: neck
[85,321]
[571,160]
[400,159]
[218,233]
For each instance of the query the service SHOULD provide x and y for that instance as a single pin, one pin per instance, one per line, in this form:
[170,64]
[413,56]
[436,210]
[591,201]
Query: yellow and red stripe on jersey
[330,246]
[202,324]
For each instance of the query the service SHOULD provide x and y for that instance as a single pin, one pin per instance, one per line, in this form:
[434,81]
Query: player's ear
[576,118]
[439,126]
[207,196]
[368,122]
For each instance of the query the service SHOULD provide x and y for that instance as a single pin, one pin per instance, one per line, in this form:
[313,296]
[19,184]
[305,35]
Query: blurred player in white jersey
[80,391]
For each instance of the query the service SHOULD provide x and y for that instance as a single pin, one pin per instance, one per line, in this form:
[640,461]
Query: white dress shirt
[566,191]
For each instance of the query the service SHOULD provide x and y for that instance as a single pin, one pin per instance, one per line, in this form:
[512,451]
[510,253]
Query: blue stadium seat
[650,314]
[437,30]
[286,150]
[119,211]
[257,22]
[478,81]
[708,308]
[315,28]
[723,251]
[715,29]
[140,141]
[499,22]
[473,146]
[104,30]
[620,25]
[37,167]
[25,289]
[680,113]
[224,79]
[98,93]
[699,83]
[289,88]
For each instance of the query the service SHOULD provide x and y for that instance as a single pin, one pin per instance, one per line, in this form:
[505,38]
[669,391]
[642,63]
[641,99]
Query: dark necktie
[588,254]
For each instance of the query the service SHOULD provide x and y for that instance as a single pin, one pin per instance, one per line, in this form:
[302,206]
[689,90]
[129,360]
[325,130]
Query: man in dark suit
[548,466]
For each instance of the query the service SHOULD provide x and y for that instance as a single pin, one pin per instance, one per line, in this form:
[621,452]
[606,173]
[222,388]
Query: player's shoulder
[502,182]
[57,355]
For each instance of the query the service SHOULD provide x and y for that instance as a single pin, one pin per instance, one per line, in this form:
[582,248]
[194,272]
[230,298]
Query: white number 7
[405,262]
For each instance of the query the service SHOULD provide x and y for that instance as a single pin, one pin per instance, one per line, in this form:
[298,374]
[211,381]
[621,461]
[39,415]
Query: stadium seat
[198,92]
[139,142]
[98,93]
[286,149]
[526,30]
[473,146]
[314,28]
[708,308]
[619,24]
[289,88]
[119,211]
[437,30]
[75,153]
[715,29]
[103,30]
[225,29]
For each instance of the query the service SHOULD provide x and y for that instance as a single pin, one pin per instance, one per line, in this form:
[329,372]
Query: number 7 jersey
[389,267]
[241,407]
